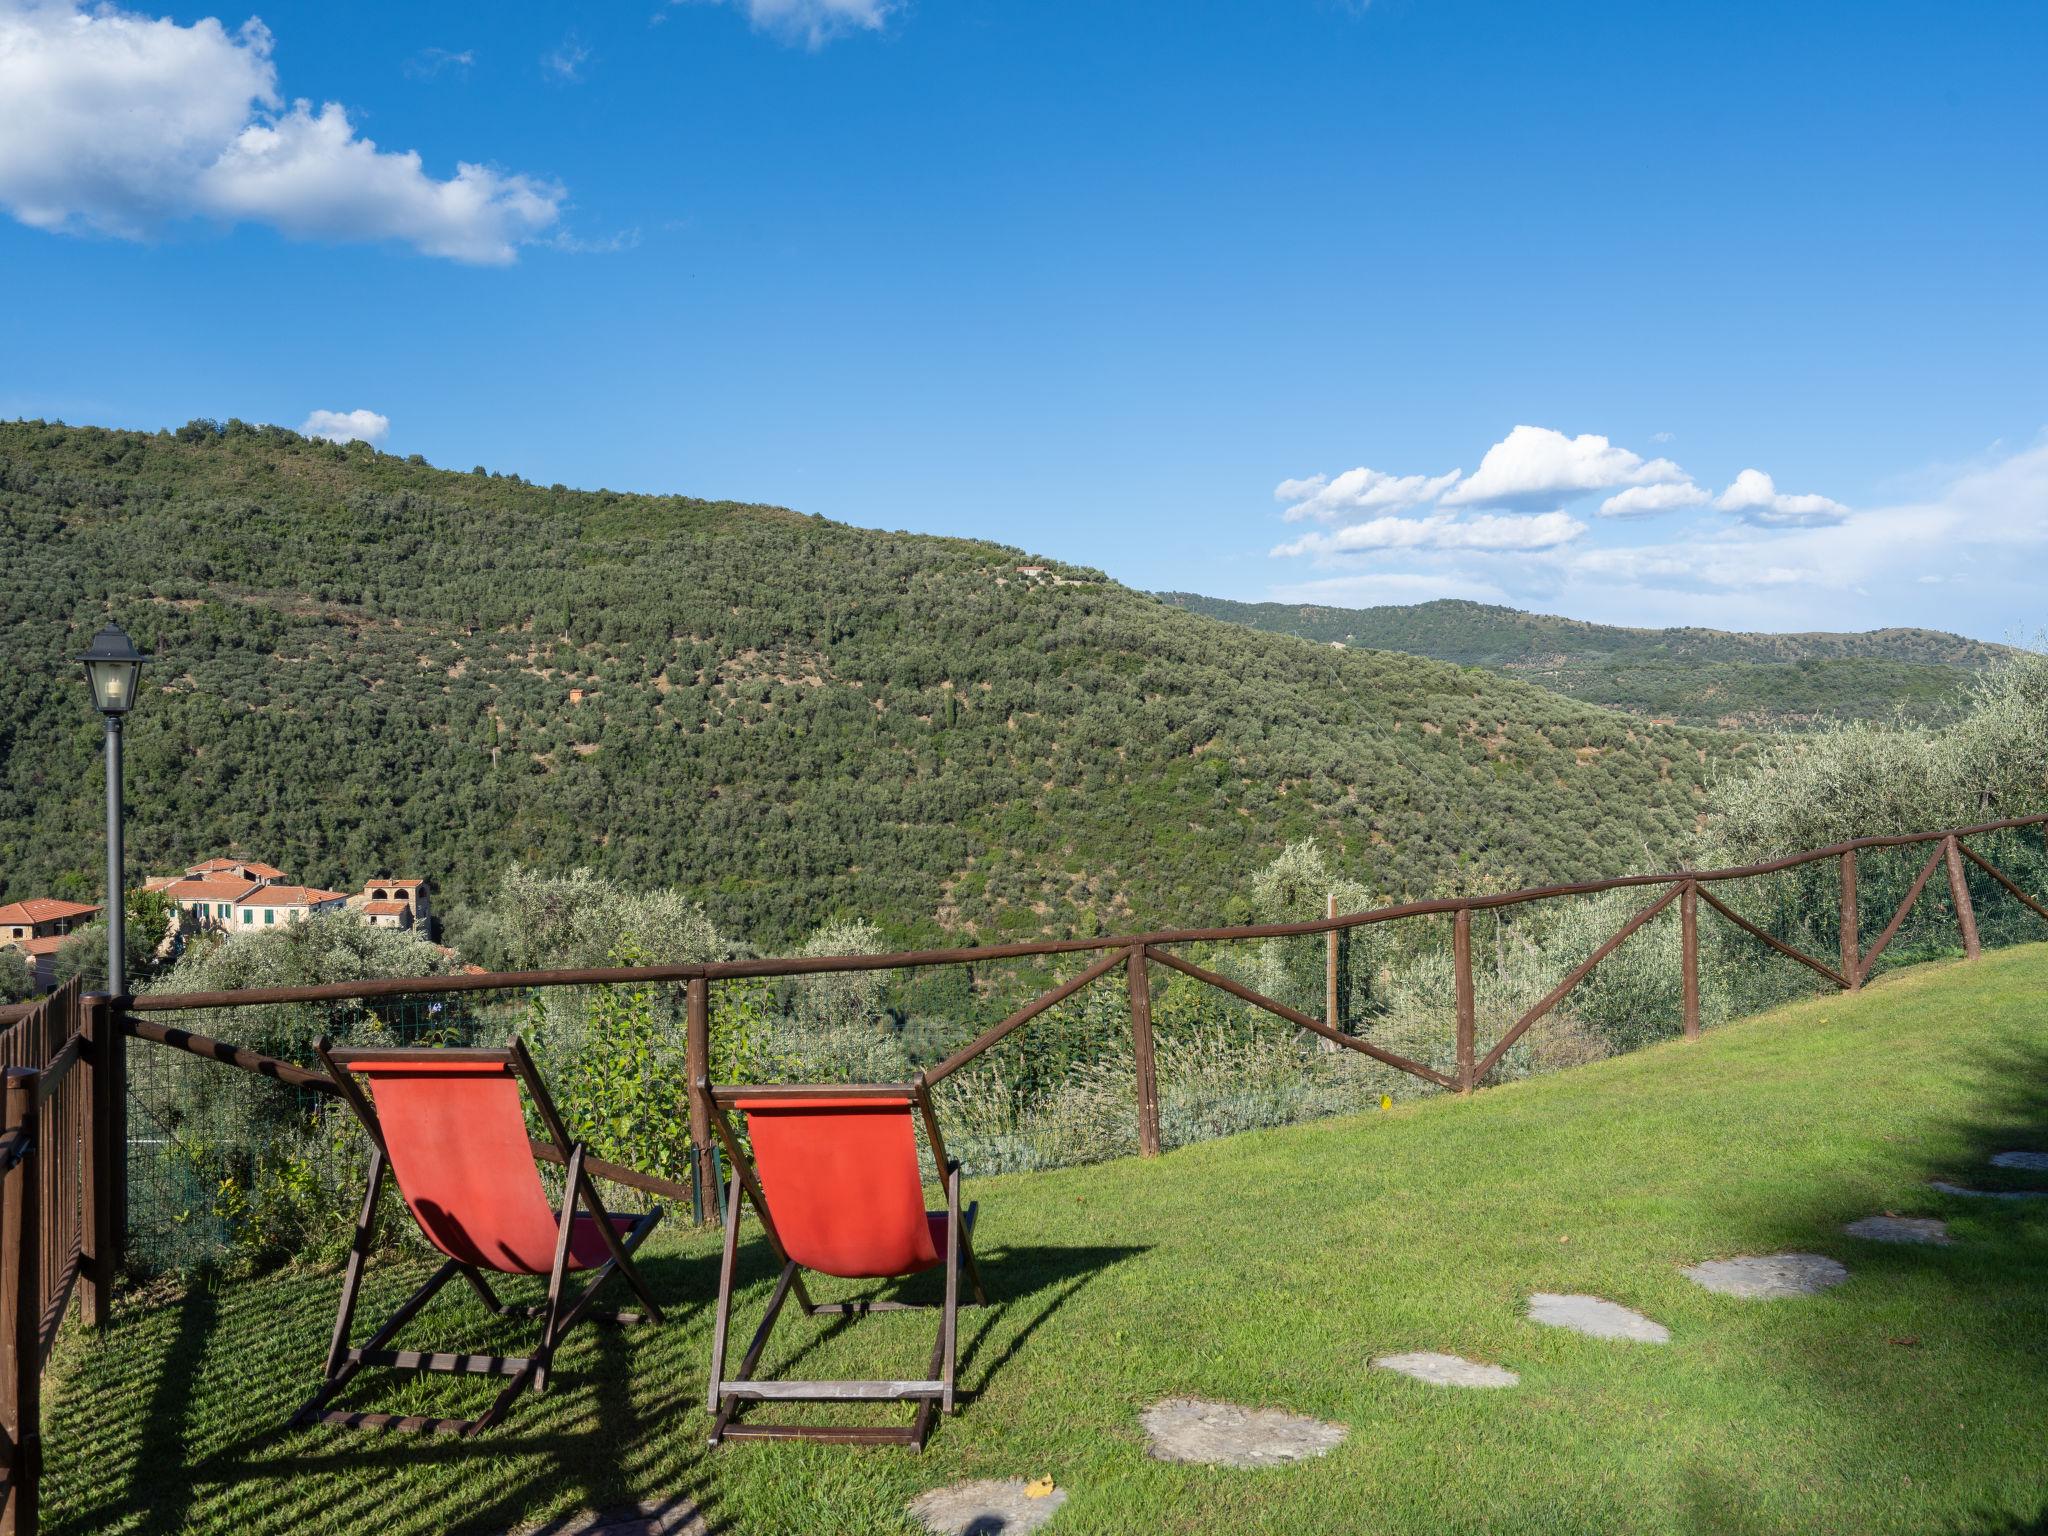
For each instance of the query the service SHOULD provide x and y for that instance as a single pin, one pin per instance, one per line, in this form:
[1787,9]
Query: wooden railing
[1135,954]
[57,1226]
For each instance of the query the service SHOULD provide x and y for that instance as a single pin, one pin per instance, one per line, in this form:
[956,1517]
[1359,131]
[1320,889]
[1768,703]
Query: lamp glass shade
[113,685]
[112,666]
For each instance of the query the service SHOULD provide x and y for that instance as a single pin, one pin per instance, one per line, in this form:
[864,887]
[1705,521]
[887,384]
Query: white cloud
[814,23]
[1643,500]
[1442,531]
[1536,464]
[1661,438]
[1824,569]
[1780,561]
[120,123]
[347,426]
[1358,490]
[564,62]
[1754,495]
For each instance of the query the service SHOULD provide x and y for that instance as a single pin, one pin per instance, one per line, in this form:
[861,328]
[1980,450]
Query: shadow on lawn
[176,1419]
[1989,1279]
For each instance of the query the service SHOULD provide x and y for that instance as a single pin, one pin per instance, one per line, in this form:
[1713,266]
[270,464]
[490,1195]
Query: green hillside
[1272,1270]
[371,665]
[1692,676]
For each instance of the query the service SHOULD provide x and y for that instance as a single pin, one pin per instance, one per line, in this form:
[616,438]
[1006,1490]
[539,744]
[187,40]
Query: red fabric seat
[448,1125]
[456,1135]
[843,1185]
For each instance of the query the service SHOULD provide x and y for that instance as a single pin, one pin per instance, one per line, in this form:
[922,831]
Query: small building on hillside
[37,927]
[241,895]
[42,917]
[244,895]
[396,903]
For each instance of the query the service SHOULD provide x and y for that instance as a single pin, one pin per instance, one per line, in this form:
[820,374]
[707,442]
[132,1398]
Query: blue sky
[1096,279]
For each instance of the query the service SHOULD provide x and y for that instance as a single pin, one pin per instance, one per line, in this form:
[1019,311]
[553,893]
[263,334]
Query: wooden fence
[1136,954]
[58,1231]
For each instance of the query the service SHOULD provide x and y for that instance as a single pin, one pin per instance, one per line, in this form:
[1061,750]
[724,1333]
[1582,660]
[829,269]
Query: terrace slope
[368,664]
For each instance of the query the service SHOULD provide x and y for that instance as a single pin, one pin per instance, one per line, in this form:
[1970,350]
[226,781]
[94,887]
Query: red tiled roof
[385,908]
[49,946]
[223,866]
[289,896]
[42,909]
[189,889]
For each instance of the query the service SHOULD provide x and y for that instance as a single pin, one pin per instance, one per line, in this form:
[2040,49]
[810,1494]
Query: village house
[241,895]
[400,904]
[37,927]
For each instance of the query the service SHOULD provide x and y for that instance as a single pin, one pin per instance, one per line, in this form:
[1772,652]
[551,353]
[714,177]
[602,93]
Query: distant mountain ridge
[1688,675]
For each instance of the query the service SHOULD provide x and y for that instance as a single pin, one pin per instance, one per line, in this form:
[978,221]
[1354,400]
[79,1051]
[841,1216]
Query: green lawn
[1270,1269]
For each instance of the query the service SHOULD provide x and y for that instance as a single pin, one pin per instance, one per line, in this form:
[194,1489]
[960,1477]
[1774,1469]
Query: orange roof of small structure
[289,896]
[385,908]
[42,909]
[48,946]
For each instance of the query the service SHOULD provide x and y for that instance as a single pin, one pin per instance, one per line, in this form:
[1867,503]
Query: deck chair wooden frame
[557,1314]
[934,1392]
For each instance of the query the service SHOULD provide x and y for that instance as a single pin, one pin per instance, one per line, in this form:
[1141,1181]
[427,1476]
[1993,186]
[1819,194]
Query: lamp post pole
[112,665]
[117,914]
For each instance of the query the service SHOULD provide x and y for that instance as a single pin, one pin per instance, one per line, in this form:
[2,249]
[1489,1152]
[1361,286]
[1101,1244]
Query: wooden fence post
[1461,960]
[1959,893]
[1852,936]
[21,1343]
[102,1218]
[697,1067]
[1689,950]
[1333,997]
[1136,973]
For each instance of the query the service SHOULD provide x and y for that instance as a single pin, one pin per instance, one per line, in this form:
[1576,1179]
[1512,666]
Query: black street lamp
[112,665]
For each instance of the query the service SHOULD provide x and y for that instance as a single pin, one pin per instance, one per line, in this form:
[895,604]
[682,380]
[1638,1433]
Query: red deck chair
[449,1126]
[834,1179]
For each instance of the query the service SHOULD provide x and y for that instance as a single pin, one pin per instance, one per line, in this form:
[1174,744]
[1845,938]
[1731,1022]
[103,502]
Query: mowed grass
[1270,1269]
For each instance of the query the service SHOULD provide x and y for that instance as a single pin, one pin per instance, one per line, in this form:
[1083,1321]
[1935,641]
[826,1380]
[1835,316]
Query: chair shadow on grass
[621,1427]
[1992,1272]
[1031,1281]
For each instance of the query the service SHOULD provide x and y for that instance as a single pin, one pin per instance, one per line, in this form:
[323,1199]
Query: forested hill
[369,665]
[1694,676]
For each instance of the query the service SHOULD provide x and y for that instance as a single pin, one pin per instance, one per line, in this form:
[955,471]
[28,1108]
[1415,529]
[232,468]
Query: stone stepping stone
[1595,1318]
[1987,1194]
[1447,1370]
[987,1507]
[1900,1229]
[2037,1161]
[1225,1435]
[1775,1275]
